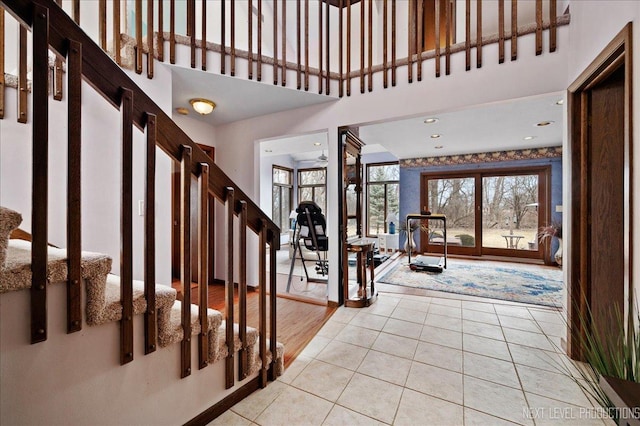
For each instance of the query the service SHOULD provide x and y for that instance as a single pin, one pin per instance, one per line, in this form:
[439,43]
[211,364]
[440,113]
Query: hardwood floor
[298,322]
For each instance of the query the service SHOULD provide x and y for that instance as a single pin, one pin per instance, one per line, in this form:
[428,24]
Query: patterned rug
[538,285]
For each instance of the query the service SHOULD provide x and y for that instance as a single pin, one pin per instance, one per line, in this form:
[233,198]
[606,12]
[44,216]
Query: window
[282,195]
[383,183]
[312,186]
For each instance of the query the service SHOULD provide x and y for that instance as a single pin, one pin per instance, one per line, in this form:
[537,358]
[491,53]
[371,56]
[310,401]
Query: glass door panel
[455,198]
[510,212]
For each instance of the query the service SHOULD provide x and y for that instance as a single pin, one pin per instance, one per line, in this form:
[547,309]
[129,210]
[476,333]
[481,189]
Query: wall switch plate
[559,208]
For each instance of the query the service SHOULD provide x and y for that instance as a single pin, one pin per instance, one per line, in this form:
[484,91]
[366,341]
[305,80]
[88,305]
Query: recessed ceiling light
[317,144]
[545,123]
[528,138]
[430,120]
[182,111]
[560,102]
[268,150]
[435,136]
[438,147]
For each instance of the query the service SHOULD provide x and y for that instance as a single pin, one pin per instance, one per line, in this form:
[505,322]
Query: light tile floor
[413,360]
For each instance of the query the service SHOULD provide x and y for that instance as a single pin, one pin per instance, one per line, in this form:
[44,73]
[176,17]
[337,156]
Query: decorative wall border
[484,157]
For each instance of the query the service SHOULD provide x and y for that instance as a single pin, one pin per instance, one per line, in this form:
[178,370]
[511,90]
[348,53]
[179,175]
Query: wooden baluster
[447,48]
[150,46]
[500,31]
[126,229]
[320,47]
[250,20]
[272,305]
[191,30]
[138,57]
[262,304]
[348,47]
[514,30]
[284,43]
[160,31]
[411,39]
[393,42]
[172,31]
[151,315]
[327,56]
[275,42]
[385,18]
[203,264]
[467,32]
[40,183]
[340,50]
[229,363]
[102,23]
[362,6]
[74,239]
[479,34]
[223,37]
[437,37]
[22,75]
[233,38]
[57,73]
[370,46]
[185,264]
[116,31]
[243,364]
[553,25]
[1,63]
[203,38]
[259,65]
[306,45]
[76,11]
[538,27]
[298,48]
[419,37]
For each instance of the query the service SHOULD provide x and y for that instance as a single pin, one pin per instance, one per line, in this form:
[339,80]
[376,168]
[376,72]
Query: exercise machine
[429,263]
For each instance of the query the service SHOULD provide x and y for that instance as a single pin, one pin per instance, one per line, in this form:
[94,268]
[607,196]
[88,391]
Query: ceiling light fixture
[430,120]
[544,123]
[182,111]
[528,138]
[268,150]
[435,136]
[317,144]
[202,106]
[438,147]
[560,102]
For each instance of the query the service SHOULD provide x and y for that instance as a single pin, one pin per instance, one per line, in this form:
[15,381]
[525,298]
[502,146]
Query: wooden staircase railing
[372,45]
[53,29]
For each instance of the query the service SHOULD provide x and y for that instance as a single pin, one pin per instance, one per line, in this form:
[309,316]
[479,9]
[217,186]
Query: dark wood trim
[538,27]
[185,259]
[1,63]
[259,66]
[223,35]
[362,47]
[348,48]
[393,45]
[275,42]
[262,304]
[150,317]
[74,182]
[40,183]
[116,32]
[150,46]
[500,31]
[553,25]
[447,49]
[160,31]
[138,46]
[340,52]
[514,30]
[284,44]
[225,404]
[320,84]
[298,47]
[419,37]
[328,53]
[273,302]
[76,11]
[467,32]
[233,38]
[191,30]
[385,42]
[411,36]
[370,47]
[126,229]
[172,31]
[478,34]
[22,75]
[579,272]
[243,362]
[250,40]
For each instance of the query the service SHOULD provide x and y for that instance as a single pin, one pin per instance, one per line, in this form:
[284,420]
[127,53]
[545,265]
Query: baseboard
[220,407]
[332,304]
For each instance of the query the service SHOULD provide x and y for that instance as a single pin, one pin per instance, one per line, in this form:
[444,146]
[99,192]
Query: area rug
[538,285]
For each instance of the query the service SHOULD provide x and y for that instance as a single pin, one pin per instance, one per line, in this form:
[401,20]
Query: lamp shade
[202,106]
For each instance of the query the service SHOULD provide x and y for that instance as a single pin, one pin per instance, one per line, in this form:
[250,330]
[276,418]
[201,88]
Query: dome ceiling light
[202,106]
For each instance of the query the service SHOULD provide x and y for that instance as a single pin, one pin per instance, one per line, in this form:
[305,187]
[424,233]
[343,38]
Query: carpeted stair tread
[220,350]
[170,324]
[17,273]
[254,353]
[104,305]
[9,221]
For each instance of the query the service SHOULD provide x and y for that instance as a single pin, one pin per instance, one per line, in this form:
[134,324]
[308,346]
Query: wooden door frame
[616,54]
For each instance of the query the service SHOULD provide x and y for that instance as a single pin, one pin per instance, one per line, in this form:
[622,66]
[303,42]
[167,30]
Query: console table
[366,289]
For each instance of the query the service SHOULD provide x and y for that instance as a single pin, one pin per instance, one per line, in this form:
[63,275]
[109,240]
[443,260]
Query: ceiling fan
[322,160]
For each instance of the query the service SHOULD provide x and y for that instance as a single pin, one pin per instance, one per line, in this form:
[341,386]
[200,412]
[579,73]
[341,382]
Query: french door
[489,212]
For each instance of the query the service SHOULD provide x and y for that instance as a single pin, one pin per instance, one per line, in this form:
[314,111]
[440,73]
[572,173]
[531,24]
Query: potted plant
[546,235]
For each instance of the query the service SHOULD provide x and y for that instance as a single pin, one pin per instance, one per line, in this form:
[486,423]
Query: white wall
[494,82]
[593,25]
